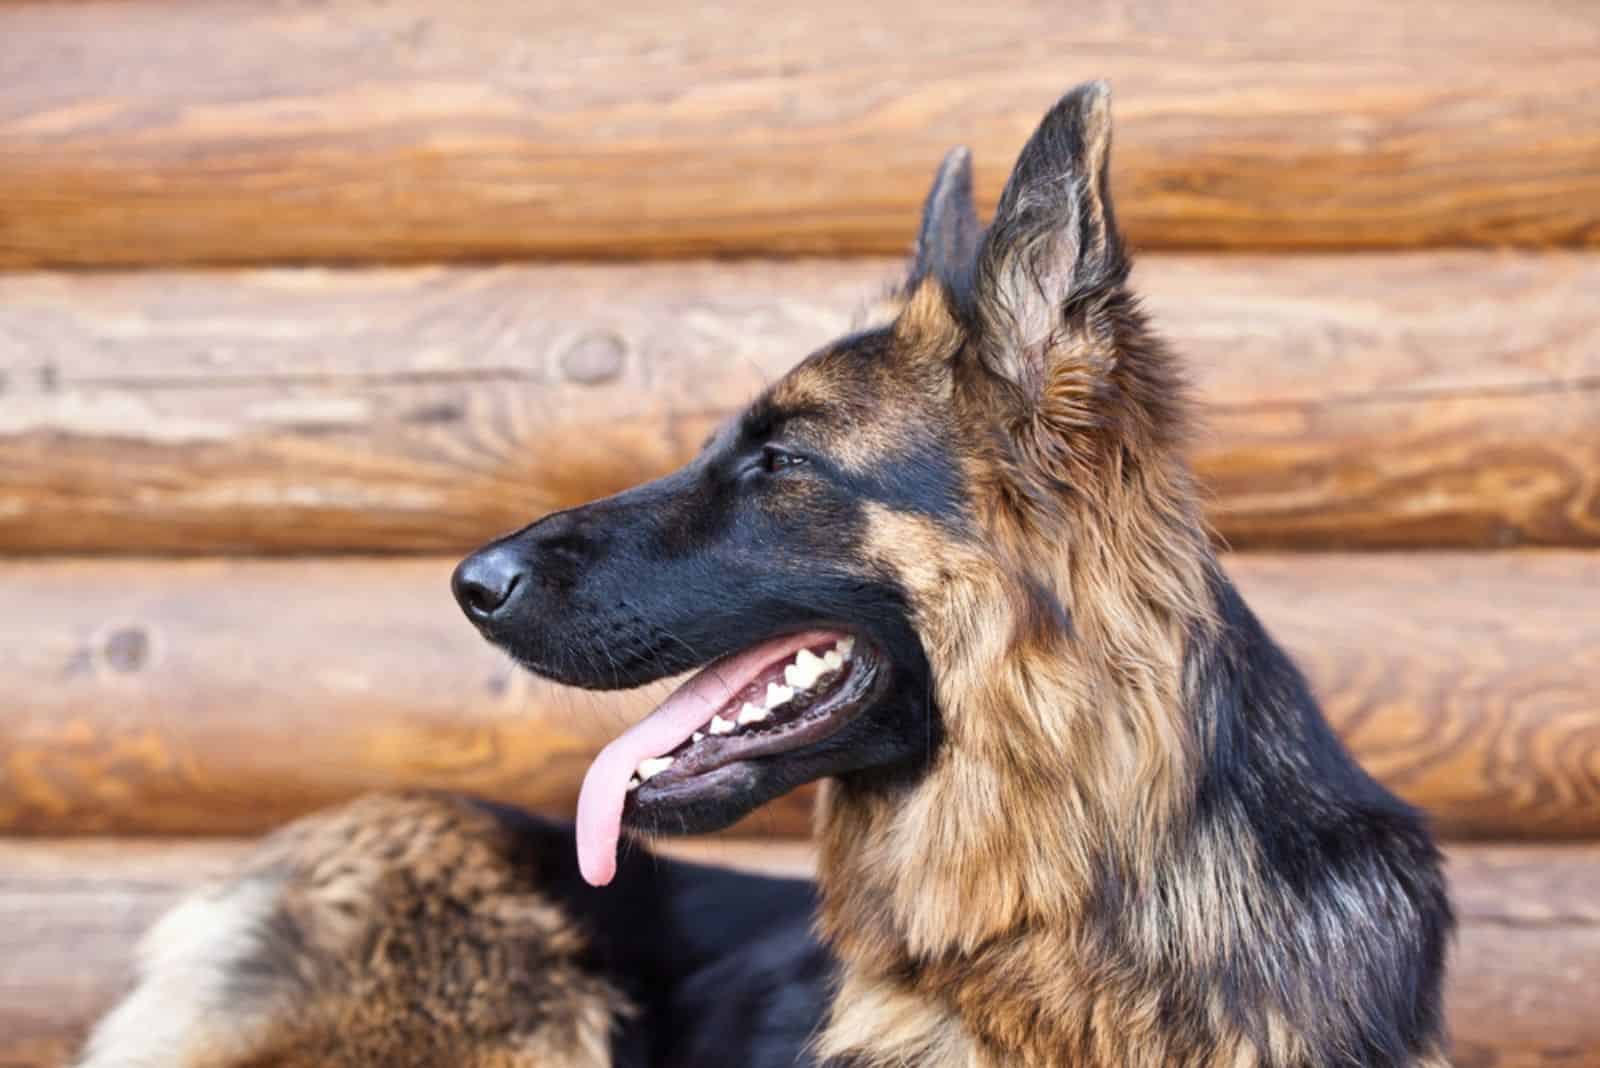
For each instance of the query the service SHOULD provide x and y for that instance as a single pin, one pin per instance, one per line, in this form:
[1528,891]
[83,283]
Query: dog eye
[774,459]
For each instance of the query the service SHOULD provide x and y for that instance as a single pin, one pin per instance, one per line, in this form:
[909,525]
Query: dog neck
[1067,759]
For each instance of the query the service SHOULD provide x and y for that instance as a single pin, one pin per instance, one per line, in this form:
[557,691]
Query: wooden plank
[163,131]
[218,696]
[1352,401]
[1523,974]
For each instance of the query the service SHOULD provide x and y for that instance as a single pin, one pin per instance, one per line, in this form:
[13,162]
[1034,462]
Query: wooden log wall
[178,697]
[230,131]
[300,301]
[429,409]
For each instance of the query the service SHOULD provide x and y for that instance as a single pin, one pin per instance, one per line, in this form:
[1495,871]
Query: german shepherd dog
[1078,809]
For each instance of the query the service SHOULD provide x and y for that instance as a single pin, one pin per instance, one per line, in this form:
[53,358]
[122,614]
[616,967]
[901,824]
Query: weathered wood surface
[218,697]
[1417,400]
[1521,994]
[226,696]
[1465,682]
[164,131]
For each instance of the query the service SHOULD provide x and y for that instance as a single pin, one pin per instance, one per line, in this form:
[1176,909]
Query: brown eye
[774,459]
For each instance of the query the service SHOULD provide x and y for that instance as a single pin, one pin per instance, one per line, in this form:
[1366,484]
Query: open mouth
[777,697]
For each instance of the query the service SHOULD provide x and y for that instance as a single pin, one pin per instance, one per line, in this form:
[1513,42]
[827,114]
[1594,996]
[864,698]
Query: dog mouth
[771,699]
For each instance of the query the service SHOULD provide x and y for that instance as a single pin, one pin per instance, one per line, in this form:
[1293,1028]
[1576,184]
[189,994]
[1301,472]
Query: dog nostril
[483,600]
[483,583]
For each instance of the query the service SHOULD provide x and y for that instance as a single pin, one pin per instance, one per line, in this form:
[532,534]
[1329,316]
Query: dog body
[1078,808]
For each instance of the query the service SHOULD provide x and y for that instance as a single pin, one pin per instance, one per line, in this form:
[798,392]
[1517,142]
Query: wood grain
[1464,682]
[1352,401]
[162,131]
[1523,974]
[216,696]
[225,697]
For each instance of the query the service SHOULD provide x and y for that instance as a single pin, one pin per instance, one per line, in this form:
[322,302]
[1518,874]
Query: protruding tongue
[690,707]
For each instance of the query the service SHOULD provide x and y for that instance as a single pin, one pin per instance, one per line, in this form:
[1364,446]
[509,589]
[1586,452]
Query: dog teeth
[653,766]
[802,674]
[633,783]
[697,737]
[805,671]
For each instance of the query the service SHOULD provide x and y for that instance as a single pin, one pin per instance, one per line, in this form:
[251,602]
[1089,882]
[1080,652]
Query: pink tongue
[690,707]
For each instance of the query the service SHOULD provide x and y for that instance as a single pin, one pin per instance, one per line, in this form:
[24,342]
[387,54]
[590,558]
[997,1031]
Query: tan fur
[870,411]
[963,898]
[181,1013]
[903,1028]
[395,931]
[946,905]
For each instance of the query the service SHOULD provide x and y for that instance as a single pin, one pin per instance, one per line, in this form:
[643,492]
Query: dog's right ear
[947,244]
[1054,246]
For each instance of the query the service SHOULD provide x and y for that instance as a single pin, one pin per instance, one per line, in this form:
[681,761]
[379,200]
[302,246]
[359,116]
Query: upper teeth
[801,673]
[804,671]
[807,668]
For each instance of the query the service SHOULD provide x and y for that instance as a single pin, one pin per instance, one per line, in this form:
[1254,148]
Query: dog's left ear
[947,244]
[1053,246]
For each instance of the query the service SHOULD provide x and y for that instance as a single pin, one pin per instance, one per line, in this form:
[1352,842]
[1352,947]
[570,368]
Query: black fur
[723,966]
[670,575]
[1350,868]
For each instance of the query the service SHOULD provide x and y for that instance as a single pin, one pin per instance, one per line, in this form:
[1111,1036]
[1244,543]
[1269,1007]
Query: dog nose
[485,581]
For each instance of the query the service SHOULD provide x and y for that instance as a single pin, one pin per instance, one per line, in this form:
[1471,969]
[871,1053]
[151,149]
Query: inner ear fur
[1053,245]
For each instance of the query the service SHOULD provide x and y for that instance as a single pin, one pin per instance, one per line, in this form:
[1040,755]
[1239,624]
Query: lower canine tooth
[719,725]
[649,769]
[697,736]
[751,714]
[845,646]
[633,783]
[833,661]
[778,695]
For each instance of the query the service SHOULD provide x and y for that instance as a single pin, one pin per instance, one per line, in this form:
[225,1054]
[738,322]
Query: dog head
[890,515]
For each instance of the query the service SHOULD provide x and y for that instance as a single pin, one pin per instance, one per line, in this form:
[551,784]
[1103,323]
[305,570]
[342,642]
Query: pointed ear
[1053,242]
[948,241]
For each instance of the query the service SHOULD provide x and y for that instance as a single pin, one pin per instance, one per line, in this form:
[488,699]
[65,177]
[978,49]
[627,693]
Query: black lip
[711,787]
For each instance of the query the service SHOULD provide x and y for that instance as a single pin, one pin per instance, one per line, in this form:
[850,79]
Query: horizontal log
[1353,401]
[228,696]
[1526,962]
[162,131]
[225,696]
[1469,684]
